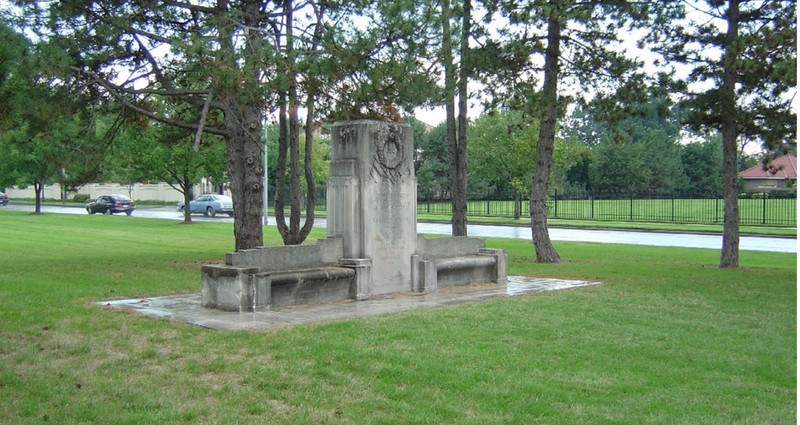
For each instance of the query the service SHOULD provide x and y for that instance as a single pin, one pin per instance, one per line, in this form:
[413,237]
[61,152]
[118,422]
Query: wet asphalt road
[687,240]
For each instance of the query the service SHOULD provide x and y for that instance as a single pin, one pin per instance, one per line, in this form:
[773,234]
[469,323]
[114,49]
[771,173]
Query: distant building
[428,127]
[781,173]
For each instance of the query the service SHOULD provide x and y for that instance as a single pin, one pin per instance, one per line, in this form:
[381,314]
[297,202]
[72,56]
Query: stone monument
[372,199]
[372,247]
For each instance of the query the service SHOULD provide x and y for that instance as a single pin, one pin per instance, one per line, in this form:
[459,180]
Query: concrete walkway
[187,307]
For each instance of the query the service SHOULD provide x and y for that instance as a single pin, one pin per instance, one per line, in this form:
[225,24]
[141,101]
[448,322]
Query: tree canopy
[210,74]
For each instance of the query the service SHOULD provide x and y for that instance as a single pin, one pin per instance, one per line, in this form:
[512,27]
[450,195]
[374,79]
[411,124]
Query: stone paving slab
[186,307]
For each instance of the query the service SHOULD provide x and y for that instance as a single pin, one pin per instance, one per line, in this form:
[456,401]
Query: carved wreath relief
[388,159]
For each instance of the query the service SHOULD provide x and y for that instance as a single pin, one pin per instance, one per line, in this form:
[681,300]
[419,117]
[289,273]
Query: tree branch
[156,68]
[202,123]
[115,91]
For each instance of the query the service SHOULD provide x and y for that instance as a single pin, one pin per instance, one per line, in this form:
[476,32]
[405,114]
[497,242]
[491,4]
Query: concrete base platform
[186,307]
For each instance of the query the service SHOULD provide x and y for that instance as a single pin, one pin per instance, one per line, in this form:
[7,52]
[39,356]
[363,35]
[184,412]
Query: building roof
[784,167]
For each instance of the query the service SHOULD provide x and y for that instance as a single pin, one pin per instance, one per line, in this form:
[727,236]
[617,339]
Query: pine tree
[578,41]
[746,49]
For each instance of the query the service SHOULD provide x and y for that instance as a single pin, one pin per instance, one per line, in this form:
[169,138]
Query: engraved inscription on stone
[347,134]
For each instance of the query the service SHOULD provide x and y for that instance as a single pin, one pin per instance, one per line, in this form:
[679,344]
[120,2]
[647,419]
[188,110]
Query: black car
[110,204]
[3,199]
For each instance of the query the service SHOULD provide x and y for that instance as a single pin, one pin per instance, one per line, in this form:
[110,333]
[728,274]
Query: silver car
[209,205]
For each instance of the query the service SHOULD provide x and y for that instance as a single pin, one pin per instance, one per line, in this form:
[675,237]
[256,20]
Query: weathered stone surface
[448,247]
[372,198]
[361,289]
[372,246]
[186,307]
[291,257]
[465,270]
[501,258]
[454,261]
[230,288]
[311,286]
[269,277]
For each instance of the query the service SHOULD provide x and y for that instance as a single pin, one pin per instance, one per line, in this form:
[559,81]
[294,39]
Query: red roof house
[781,173]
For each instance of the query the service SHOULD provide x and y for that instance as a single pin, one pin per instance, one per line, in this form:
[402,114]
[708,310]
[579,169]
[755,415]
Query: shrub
[782,194]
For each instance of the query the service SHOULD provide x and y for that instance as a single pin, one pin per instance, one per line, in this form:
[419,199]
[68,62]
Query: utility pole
[266,181]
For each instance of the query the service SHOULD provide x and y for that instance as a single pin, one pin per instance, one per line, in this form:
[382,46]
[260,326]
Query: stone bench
[272,277]
[455,261]
[310,286]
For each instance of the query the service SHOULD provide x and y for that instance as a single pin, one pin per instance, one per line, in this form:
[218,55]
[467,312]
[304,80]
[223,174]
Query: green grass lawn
[667,339]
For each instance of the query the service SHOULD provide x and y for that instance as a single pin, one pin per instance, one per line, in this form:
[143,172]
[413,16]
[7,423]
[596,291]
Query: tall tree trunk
[290,140]
[242,124]
[545,252]
[460,162]
[245,169]
[458,218]
[311,187]
[186,186]
[290,238]
[729,256]
[38,188]
[280,177]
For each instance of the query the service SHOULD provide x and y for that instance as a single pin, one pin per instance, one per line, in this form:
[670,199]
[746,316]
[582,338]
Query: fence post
[555,204]
[591,206]
[631,209]
[672,214]
[487,207]
[764,208]
[716,209]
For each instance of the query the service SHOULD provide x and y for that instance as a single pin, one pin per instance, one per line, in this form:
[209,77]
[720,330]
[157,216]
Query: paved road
[687,240]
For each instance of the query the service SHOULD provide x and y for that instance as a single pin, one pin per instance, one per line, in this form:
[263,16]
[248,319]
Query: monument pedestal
[372,198]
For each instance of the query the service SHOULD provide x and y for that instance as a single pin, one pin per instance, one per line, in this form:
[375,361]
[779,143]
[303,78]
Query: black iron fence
[754,208]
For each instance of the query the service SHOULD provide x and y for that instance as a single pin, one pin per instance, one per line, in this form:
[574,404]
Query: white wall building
[138,191]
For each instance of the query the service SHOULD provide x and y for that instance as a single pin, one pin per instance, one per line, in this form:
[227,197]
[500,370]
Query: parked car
[209,205]
[111,204]
[3,199]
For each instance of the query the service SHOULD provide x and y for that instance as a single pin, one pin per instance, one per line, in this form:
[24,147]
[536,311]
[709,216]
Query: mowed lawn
[668,338]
